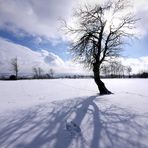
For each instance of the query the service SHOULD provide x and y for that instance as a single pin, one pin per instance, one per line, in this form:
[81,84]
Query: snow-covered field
[70,114]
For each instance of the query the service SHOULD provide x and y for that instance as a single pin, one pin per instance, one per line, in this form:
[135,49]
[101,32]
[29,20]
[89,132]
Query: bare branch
[14,66]
[95,39]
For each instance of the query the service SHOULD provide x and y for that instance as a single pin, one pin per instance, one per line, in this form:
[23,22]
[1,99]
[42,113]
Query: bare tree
[100,32]
[129,70]
[114,69]
[105,70]
[37,72]
[40,72]
[51,73]
[14,66]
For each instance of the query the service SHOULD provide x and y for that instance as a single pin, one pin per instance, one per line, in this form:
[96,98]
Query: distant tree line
[116,70]
[143,74]
[37,72]
[113,69]
[75,76]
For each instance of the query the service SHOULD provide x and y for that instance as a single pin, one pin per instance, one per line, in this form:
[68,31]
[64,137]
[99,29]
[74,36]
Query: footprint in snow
[73,128]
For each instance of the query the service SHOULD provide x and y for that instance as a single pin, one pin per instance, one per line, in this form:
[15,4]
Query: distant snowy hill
[27,58]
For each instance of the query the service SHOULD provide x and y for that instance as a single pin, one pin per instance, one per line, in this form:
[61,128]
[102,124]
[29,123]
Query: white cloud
[140,8]
[36,17]
[137,64]
[28,59]
[46,60]
[40,18]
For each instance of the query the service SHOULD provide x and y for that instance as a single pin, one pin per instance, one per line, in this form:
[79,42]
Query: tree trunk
[16,74]
[101,86]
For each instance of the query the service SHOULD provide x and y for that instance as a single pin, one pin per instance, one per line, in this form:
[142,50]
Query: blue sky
[137,48]
[35,24]
[59,47]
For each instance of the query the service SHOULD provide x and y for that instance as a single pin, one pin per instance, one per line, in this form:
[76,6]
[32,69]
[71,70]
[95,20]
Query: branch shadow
[102,126]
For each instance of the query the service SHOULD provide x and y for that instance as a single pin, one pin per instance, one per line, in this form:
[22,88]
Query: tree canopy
[100,31]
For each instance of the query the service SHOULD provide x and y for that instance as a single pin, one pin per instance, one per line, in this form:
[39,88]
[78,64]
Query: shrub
[12,77]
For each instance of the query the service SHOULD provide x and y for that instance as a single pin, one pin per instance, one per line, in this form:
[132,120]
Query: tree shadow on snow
[100,126]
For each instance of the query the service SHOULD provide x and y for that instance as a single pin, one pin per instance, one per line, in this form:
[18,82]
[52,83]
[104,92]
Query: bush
[12,77]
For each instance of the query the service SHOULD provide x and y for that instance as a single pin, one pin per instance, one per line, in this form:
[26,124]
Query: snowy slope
[71,114]
[28,58]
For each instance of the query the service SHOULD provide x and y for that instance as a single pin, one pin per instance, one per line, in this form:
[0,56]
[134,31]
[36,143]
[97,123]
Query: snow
[69,113]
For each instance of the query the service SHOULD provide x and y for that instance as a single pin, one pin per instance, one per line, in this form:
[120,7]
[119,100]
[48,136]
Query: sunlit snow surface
[70,114]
